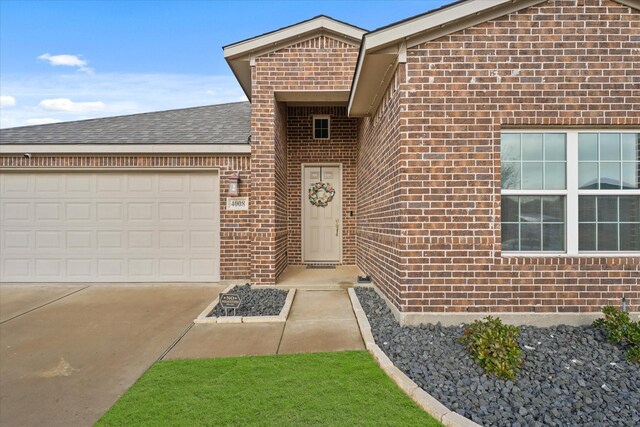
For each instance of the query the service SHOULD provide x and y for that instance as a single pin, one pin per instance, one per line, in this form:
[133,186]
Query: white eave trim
[277,37]
[125,148]
[433,20]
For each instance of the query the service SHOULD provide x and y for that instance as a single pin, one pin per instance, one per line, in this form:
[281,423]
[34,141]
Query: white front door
[321,213]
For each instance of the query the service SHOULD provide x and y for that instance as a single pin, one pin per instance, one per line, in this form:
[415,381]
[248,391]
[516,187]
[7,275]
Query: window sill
[565,255]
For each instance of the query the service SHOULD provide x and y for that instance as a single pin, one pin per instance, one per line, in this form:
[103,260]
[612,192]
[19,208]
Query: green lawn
[342,389]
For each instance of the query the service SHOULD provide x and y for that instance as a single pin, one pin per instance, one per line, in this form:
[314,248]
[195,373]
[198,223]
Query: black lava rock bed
[254,302]
[571,375]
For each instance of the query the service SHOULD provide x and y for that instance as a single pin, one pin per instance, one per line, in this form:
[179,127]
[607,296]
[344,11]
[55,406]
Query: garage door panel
[79,184]
[48,268]
[15,268]
[203,211]
[141,239]
[141,184]
[110,211]
[109,183]
[48,184]
[110,240]
[79,212]
[79,240]
[173,240]
[174,268]
[202,184]
[16,240]
[200,267]
[48,211]
[16,212]
[80,268]
[49,239]
[111,268]
[171,212]
[172,184]
[202,239]
[109,227]
[12,185]
[141,212]
[142,268]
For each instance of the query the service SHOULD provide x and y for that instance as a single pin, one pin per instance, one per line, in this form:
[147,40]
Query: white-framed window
[570,192]
[321,127]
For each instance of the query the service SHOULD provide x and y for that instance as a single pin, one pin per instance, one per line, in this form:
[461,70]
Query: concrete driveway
[68,352]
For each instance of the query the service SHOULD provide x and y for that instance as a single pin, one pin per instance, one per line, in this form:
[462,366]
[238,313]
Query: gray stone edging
[424,400]
[282,317]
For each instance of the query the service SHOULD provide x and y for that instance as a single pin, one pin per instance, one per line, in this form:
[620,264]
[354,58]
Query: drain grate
[321,267]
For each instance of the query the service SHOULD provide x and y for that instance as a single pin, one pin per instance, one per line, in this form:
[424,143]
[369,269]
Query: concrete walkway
[341,277]
[319,320]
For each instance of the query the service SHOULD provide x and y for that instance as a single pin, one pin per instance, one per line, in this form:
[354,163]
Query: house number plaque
[237,203]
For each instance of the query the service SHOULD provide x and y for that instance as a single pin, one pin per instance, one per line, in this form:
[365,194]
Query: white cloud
[7,101]
[68,106]
[40,121]
[120,94]
[67,60]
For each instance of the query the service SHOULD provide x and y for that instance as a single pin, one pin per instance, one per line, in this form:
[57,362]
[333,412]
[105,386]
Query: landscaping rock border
[571,375]
[423,399]
[206,315]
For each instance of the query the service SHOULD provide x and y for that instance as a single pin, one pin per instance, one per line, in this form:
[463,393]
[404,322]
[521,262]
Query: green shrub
[494,346]
[622,330]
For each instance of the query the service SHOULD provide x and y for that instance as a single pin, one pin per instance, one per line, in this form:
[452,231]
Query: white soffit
[240,55]
[382,49]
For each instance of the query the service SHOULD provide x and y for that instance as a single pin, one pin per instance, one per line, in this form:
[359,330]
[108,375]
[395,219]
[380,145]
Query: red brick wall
[235,226]
[556,64]
[379,220]
[282,187]
[321,63]
[302,148]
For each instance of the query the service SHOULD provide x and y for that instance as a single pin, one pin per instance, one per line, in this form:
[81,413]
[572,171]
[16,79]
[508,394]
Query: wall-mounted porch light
[234,179]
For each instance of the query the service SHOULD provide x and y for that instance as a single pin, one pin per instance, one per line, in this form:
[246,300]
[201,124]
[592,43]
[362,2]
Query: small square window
[321,127]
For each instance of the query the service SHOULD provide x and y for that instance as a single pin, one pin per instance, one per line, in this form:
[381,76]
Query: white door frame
[303,200]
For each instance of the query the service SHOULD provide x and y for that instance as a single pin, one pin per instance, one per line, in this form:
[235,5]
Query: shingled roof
[212,124]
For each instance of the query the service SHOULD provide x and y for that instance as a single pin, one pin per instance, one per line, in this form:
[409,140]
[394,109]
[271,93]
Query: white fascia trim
[125,148]
[433,20]
[635,4]
[356,77]
[278,37]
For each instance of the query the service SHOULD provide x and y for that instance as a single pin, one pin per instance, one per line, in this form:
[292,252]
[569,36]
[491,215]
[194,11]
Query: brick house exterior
[417,112]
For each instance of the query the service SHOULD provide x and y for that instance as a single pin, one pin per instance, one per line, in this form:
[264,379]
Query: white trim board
[125,148]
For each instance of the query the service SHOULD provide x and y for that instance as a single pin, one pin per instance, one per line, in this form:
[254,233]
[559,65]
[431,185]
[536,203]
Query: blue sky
[71,60]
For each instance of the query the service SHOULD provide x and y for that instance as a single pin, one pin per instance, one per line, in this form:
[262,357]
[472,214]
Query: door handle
[337,226]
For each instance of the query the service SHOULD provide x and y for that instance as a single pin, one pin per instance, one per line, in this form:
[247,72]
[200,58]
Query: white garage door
[109,227]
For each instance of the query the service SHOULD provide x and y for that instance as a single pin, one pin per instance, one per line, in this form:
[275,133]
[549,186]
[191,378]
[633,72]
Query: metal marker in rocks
[230,301]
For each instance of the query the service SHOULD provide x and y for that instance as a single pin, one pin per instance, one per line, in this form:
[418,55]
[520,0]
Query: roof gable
[382,49]
[240,55]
